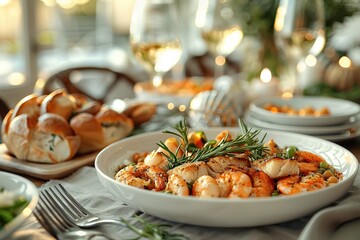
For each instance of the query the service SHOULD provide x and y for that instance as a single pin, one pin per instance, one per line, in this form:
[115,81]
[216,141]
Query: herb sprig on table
[152,231]
[246,141]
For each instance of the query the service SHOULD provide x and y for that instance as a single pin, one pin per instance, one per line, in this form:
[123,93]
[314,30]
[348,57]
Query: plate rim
[302,129]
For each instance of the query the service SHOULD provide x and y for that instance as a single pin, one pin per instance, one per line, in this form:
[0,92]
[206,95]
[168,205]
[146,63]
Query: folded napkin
[86,188]
[341,221]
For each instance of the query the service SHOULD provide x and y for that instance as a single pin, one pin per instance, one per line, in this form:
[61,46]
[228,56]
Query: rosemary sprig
[152,231]
[245,142]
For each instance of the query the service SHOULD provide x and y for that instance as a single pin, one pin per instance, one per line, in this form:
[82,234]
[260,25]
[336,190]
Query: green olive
[290,151]
[323,165]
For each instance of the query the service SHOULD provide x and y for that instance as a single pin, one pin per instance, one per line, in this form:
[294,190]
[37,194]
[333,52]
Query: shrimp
[127,175]
[263,185]
[190,171]
[158,157]
[305,168]
[272,146]
[205,187]
[173,145]
[308,162]
[177,185]
[297,184]
[304,156]
[219,164]
[222,135]
[234,184]
[142,176]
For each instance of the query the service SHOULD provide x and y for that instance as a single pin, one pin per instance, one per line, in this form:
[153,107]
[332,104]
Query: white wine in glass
[220,28]
[299,31]
[154,38]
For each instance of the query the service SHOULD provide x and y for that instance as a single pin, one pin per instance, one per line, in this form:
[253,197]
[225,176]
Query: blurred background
[40,37]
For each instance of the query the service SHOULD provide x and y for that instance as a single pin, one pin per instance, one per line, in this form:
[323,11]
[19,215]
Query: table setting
[318,218]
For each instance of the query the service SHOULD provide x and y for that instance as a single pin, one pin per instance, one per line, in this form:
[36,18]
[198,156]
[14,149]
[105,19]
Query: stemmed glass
[220,29]
[154,38]
[299,31]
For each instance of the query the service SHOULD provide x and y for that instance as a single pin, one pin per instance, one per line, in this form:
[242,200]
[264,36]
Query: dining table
[85,186]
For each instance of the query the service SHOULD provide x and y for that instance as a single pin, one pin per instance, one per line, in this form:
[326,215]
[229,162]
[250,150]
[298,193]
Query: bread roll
[48,139]
[28,105]
[90,107]
[115,125]
[54,128]
[5,127]
[90,132]
[53,140]
[58,102]
[141,113]
[19,135]
[98,131]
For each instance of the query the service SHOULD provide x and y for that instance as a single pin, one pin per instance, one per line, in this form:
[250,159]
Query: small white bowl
[340,110]
[21,187]
[220,212]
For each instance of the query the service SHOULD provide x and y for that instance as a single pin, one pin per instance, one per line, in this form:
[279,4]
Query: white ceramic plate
[340,110]
[225,212]
[23,187]
[352,123]
[320,132]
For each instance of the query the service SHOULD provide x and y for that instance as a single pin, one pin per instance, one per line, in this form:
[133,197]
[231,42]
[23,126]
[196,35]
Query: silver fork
[70,209]
[60,228]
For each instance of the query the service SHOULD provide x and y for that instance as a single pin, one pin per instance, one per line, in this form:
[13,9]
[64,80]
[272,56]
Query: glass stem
[219,66]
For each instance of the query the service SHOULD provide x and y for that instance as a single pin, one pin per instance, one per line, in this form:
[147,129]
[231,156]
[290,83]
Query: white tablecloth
[340,221]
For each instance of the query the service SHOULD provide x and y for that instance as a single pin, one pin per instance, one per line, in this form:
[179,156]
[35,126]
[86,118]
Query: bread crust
[58,102]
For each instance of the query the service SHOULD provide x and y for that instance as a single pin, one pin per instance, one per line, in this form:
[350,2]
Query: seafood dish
[228,166]
[223,211]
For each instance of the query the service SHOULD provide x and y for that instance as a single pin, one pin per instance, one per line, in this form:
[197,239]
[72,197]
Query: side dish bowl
[222,212]
[21,187]
[340,110]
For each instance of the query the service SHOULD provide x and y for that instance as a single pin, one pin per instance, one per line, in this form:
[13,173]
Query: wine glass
[154,38]
[299,31]
[220,29]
